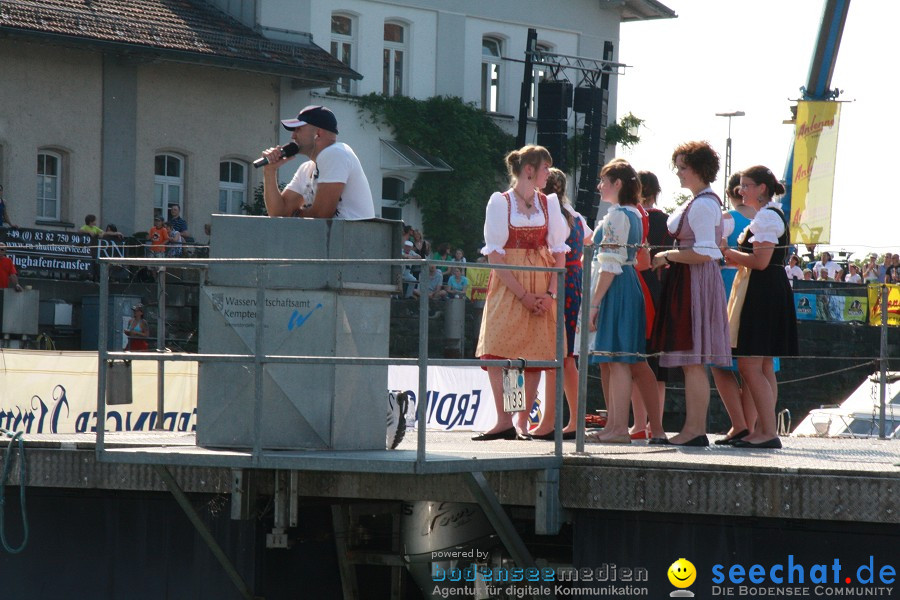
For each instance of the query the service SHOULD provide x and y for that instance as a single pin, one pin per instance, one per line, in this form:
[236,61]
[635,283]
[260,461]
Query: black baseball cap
[317,116]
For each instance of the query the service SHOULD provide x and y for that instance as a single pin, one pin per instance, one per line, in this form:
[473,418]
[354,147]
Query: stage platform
[810,478]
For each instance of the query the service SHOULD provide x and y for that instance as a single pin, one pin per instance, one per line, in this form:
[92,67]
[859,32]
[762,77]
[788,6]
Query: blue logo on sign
[297,320]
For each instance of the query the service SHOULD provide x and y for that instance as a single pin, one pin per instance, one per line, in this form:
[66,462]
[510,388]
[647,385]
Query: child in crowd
[176,241]
[159,237]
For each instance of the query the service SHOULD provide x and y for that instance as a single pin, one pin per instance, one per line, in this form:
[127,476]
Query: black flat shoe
[660,441]
[774,443]
[524,437]
[508,434]
[567,435]
[698,442]
[729,441]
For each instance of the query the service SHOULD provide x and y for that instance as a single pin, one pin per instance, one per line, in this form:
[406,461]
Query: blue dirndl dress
[621,323]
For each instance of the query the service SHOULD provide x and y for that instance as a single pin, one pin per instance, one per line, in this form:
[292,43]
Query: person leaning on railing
[9,277]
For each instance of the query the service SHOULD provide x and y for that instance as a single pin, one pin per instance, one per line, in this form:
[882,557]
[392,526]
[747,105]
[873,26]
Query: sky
[753,55]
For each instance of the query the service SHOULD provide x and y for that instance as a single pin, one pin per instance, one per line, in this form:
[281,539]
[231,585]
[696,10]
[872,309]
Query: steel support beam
[204,532]
[492,508]
[547,508]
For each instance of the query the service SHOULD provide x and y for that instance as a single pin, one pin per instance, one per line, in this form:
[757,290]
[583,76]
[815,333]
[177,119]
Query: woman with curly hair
[691,327]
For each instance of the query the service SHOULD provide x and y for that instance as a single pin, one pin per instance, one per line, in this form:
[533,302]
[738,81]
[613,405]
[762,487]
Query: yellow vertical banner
[478,283]
[893,309]
[815,152]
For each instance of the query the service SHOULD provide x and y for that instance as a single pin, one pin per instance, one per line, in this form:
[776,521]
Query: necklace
[528,205]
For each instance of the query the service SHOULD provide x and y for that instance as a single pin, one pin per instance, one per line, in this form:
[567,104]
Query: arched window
[343,43]
[232,187]
[491,53]
[49,186]
[168,184]
[395,53]
[392,192]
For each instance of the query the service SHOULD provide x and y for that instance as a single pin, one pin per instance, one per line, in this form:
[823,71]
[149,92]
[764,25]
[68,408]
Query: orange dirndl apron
[508,329]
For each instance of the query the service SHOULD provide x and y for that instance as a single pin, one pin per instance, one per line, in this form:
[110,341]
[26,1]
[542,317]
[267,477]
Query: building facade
[121,111]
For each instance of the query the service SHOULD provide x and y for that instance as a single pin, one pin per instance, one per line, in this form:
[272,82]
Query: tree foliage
[625,132]
[452,203]
[258,206]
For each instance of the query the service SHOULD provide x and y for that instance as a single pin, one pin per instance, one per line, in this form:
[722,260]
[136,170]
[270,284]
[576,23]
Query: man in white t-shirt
[827,265]
[330,185]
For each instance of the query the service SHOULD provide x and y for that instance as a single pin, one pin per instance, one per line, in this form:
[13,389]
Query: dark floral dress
[575,242]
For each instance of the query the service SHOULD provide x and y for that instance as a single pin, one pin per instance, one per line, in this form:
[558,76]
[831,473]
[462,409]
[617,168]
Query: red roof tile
[189,28]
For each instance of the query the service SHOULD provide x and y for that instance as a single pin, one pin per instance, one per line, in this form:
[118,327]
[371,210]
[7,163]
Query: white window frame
[235,193]
[491,75]
[393,203]
[162,202]
[538,74]
[56,181]
[340,44]
[389,56]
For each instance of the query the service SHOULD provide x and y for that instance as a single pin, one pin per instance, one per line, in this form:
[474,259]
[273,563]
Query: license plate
[513,390]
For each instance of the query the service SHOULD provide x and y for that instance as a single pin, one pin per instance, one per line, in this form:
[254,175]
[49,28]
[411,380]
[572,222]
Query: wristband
[666,256]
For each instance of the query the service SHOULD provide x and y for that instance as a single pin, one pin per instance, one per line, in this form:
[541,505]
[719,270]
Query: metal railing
[260,359]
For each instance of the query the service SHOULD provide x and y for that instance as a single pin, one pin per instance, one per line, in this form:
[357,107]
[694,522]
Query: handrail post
[102,343]
[882,429]
[160,347]
[584,357]
[258,364]
[561,359]
[422,401]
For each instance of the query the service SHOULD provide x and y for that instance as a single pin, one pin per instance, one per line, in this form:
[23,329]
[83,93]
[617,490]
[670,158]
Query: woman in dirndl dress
[736,398]
[761,311]
[691,327]
[522,227]
[618,309]
[579,235]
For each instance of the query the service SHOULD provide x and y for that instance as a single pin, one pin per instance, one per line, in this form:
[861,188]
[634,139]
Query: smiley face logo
[682,573]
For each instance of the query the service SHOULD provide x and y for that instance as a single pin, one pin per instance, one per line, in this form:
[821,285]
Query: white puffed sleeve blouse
[766,226]
[703,217]
[613,232]
[496,224]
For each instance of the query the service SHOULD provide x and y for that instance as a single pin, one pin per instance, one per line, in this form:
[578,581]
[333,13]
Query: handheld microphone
[286,151]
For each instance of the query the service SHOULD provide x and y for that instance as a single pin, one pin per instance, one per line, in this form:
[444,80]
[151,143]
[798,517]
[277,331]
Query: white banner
[56,392]
[459,398]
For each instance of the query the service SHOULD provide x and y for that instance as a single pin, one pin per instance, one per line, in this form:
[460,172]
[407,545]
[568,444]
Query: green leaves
[465,137]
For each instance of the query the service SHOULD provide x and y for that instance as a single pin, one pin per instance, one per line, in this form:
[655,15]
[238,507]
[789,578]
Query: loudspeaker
[554,99]
[590,99]
[556,144]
